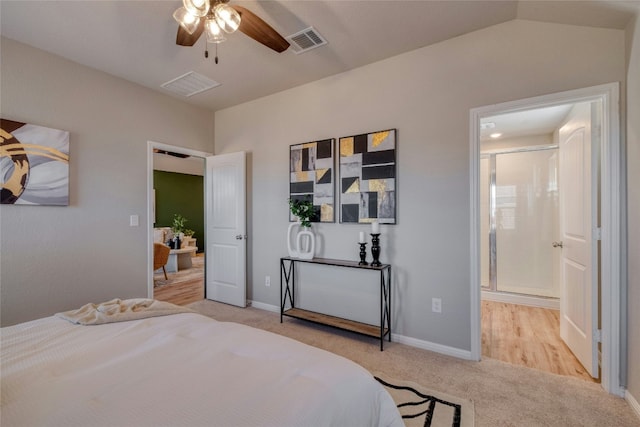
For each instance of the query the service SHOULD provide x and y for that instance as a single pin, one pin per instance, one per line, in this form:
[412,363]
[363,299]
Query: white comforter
[179,370]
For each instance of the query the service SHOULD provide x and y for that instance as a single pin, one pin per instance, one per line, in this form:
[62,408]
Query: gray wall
[426,94]
[633,207]
[58,258]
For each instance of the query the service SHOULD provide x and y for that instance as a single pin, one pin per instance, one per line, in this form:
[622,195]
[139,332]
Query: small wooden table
[180,259]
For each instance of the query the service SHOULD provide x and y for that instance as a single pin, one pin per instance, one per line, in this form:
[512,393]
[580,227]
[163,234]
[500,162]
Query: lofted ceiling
[135,40]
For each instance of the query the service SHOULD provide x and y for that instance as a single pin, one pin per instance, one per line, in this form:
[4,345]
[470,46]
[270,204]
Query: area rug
[420,406]
[196,272]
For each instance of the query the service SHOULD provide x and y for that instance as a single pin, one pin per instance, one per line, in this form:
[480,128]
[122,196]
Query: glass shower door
[527,219]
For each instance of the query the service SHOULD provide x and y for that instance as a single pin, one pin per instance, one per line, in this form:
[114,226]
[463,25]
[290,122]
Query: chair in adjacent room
[160,257]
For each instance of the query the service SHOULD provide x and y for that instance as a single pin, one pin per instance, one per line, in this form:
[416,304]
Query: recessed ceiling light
[487,125]
[495,135]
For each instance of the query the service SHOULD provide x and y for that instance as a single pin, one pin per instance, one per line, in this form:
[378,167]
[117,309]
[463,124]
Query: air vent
[190,84]
[305,40]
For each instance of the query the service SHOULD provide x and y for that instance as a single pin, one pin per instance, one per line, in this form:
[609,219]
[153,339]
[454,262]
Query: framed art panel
[311,177]
[368,177]
[34,164]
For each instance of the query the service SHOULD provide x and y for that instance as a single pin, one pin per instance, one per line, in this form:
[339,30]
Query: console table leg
[281,300]
[382,301]
[389,303]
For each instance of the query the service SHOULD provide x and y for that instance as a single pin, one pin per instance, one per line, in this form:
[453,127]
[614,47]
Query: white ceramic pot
[303,245]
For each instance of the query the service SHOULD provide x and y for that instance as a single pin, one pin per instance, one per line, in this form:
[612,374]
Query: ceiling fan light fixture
[198,8]
[227,17]
[186,20]
[213,30]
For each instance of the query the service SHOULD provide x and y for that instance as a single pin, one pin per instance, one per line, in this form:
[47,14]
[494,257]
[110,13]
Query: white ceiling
[536,121]
[135,40]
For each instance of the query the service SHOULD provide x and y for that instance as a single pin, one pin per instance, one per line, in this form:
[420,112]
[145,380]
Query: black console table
[288,292]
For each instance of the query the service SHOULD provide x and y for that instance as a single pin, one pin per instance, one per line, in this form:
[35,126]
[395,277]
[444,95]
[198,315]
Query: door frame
[150,199]
[611,226]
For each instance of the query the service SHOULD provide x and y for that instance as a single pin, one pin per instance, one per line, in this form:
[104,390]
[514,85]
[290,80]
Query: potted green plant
[177,227]
[178,223]
[303,246]
[303,209]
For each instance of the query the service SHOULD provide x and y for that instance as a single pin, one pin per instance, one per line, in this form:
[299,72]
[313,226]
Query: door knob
[239,237]
[556,244]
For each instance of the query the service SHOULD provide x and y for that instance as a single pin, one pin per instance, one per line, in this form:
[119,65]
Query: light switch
[134,221]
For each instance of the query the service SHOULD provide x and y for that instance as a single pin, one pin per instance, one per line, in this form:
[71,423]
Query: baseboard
[632,402]
[413,342]
[266,307]
[436,348]
[552,303]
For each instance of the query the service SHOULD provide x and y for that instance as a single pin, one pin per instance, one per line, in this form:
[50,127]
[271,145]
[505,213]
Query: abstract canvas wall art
[311,177]
[34,164]
[368,177]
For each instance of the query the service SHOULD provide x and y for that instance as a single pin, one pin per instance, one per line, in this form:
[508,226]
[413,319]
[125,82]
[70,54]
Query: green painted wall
[178,193]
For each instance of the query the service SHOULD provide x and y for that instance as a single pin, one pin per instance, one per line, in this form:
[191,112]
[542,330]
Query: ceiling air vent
[190,84]
[305,40]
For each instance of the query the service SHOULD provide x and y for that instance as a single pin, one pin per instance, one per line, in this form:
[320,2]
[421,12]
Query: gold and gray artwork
[311,177]
[368,177]
[34,164]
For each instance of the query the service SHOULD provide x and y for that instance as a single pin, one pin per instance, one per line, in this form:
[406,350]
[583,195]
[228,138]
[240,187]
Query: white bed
[179,370]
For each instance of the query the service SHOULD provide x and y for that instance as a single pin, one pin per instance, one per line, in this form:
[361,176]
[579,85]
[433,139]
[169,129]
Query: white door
[226,229]
[578,215]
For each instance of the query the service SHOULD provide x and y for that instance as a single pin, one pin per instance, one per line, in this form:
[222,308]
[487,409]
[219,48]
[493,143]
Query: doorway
[176,181]
[607,179]
[225,223]
[520,216]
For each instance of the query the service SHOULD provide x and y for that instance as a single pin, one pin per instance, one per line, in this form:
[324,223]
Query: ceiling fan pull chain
[206,49]
[217,52]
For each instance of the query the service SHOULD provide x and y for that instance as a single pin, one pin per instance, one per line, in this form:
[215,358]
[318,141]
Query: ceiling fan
[216,17]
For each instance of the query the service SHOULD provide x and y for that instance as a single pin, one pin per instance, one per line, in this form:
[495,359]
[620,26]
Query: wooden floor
[182,287]
[527,336]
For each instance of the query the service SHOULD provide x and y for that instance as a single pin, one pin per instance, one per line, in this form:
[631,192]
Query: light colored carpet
[503,394]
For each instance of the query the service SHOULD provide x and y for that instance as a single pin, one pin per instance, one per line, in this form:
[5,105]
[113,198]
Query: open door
[226,228]
[578,219]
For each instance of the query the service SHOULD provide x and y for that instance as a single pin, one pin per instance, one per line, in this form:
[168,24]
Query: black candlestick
[363,254]
[375,249]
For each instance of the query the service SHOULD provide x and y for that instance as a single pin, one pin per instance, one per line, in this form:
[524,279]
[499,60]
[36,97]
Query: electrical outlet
[436,305]
[267,280]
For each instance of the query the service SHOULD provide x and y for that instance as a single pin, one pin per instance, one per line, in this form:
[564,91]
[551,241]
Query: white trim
[427,345]
[632,402]
[611,252]
[528,300]
[610,218]
[150,200]
[263,306]
[474,262]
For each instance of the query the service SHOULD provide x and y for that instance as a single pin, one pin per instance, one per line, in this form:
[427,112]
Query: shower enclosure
[520,220]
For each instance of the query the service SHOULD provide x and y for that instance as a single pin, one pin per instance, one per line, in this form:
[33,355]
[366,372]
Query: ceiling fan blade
[260,31]
[183,38]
